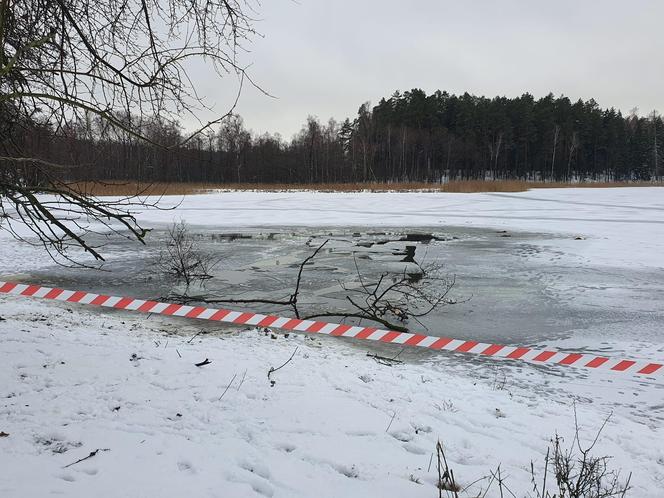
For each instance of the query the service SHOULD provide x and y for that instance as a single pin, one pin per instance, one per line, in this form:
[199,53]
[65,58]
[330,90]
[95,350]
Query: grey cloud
[327,57]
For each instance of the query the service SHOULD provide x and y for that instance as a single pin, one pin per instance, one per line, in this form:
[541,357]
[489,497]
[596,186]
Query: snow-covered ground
[335,423]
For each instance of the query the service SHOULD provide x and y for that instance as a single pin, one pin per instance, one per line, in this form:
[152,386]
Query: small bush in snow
[182,260]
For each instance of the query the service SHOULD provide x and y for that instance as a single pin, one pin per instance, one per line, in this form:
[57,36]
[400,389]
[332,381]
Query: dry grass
[532,185]
[118,188]
[121,188]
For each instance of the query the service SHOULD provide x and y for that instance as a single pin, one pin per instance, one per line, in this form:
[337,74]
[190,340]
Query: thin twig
[242,380]
[194,336]
[227,387]
[272,369]
[92,454]
[391,420]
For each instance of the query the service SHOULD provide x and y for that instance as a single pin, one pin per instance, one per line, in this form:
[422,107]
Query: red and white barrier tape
[334,329]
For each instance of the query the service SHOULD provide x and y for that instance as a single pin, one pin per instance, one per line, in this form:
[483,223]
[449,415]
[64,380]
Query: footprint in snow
[402,436]
[350,472]
[184,466]
[421,428]
[256,468]
[259,485]
[287,447]
[414,449]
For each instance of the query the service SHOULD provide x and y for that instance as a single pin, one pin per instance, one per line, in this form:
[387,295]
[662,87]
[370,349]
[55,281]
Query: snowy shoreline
[71,385]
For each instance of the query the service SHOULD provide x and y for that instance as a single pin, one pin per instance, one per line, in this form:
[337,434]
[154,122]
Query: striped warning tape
[334,329]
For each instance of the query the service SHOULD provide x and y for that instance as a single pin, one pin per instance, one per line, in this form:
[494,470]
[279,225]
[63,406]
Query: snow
[335,423]
[324,429]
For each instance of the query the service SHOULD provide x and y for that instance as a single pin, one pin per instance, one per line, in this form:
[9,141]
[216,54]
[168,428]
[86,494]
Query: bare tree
[233,139]
[655,147]
[64,61]
[556,134]
[573,145]
[365,132]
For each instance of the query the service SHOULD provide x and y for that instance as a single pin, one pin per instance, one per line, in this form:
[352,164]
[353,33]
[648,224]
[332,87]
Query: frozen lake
[578,267]
[512,287]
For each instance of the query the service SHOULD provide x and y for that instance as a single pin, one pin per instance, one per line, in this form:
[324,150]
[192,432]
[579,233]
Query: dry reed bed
[118,188]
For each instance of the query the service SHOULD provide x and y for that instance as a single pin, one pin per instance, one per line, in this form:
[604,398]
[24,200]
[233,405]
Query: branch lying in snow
[272,369]
[194,336]
[92,453]
[203,363]
[384,360]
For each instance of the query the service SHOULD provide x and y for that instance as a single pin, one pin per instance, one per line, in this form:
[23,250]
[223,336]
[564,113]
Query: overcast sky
[324,58]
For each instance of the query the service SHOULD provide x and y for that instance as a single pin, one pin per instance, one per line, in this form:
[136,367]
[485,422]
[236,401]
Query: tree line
[409,137]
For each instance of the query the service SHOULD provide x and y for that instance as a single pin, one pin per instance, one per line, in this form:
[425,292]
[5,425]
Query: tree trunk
[556,132]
